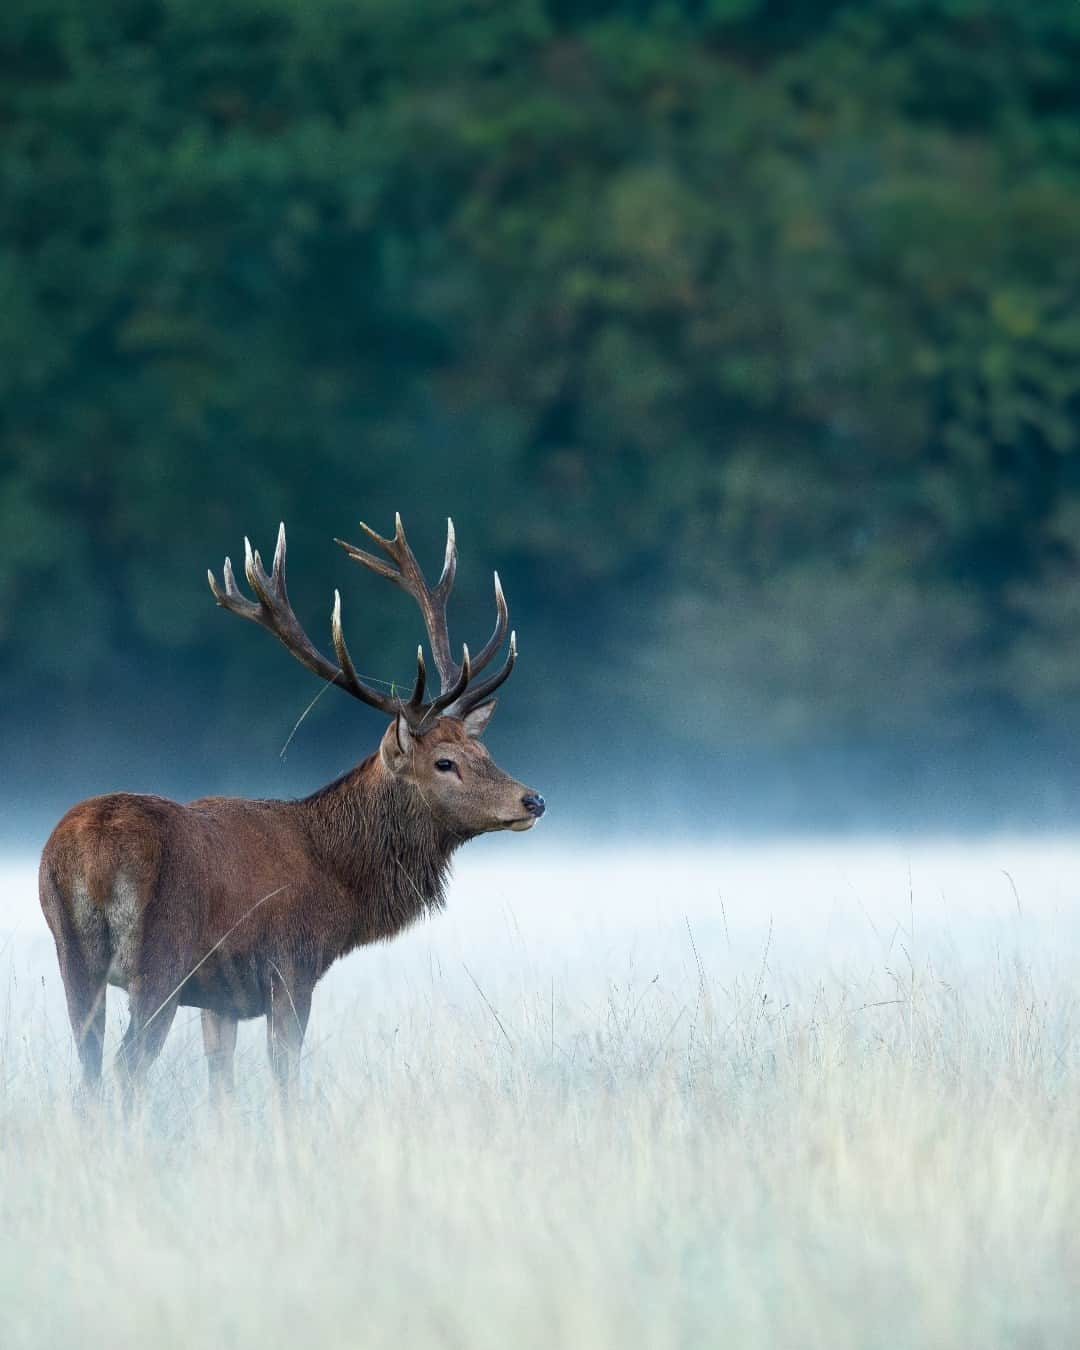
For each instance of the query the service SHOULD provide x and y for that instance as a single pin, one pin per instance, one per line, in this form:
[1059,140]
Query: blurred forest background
[743,336]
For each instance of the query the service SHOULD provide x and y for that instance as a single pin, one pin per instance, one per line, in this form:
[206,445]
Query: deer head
[460,784]
[432,744]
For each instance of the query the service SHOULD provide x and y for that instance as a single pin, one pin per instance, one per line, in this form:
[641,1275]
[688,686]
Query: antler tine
[368,559]
[341,651]
[278,569]
[448,696]
[398,549]
[445,583]
[471,698]
[495,641]
[257,579]
[232,598]
[417,699]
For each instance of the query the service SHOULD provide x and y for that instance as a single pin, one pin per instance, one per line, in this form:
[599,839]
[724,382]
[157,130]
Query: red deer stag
[237,907]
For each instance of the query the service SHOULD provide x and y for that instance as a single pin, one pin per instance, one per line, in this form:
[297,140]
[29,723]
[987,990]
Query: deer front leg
[219,1043]
[286,1022]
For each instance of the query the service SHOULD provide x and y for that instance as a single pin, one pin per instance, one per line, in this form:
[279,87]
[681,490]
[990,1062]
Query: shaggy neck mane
[378,839]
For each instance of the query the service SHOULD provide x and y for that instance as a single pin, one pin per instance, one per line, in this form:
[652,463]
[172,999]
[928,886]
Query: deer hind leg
[85,992]
[152,1012]
[219,1042]
[160,963]
[87,1013]
[82,950]
[286,1022]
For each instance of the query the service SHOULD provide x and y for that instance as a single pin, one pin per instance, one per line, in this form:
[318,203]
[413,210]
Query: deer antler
[271,610]
[455,697]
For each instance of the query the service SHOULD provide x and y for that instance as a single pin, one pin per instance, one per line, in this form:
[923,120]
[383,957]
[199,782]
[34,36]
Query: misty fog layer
[523,904]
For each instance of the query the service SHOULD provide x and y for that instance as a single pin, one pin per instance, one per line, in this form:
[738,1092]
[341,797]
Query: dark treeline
[742,335]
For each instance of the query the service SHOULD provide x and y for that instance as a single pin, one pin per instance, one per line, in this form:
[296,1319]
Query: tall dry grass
[694,1142]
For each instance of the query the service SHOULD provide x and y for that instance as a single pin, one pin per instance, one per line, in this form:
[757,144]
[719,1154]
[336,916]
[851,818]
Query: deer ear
[397,743]
[476,721]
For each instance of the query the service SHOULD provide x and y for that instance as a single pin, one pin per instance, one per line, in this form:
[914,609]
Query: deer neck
[376,837]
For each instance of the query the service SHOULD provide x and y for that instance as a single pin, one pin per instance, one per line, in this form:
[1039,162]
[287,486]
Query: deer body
[239,906]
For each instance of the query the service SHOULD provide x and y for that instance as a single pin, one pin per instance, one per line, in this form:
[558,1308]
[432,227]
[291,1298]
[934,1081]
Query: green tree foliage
[743,333]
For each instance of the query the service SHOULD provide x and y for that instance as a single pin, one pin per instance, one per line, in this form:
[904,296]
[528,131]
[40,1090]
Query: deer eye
[444,765]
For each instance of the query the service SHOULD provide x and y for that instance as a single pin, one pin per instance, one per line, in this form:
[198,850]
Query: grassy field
[825,1096]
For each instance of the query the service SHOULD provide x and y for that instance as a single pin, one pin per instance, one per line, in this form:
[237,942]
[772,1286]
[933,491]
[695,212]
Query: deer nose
[534,804]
